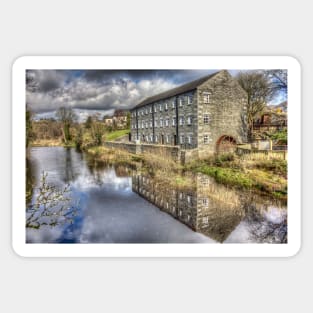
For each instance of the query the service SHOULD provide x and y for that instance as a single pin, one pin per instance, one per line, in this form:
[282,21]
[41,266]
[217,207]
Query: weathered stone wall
[164,151]
[226,112]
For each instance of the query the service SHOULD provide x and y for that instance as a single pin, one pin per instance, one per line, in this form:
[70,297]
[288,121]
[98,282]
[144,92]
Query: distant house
[120,119]
[108,120]
[273,117]
[208,114]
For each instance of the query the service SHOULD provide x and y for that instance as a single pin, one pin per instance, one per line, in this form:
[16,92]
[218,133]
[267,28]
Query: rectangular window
[151,138]
[180,102]
[205,202]
[150,109]
[174,121]
[156,138]
[205,220]
[155,123]
[189,120]
[155,109]
[206,118]
[146,111]
[189,99]
[173,104]
[181,121]
[182,139]
[166,106]
[205,139]
[161,123]
[206,97]
[146,124]
[151,123]
[167,138]
[189,199]
[166,122]
[160,107]
[189,138]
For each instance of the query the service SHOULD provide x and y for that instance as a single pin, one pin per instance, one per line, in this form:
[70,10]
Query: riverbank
[265,177]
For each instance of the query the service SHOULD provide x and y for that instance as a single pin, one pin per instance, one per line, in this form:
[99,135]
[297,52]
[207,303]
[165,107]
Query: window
[205,202]
[205,139]
[146,110]
[206,118]
[189,199]
[181,121]
[206,97]
[155,123]
[189,120]
[166,106]
[189,99]
[180,213]
[180,102]
[150,110]
[205,220]
[174,121]
[160,106]
[173,104]
[167,138]
[166,122]
[142,124]
[182,139]
[146,124]
[151,138]
[156,138]
[161,122]
[188,217]
[180,195]
[189,139]
[155,109]
[142,112]
[151,123]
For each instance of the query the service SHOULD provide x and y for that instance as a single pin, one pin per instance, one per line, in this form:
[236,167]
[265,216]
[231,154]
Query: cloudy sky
[103,91]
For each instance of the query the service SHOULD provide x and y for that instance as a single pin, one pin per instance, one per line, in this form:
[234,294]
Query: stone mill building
[207,115]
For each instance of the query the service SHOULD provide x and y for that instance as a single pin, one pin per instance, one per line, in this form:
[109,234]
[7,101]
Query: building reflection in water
[208,207]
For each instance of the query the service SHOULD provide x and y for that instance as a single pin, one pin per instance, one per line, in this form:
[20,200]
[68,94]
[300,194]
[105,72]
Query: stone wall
[164,151]
[225,111]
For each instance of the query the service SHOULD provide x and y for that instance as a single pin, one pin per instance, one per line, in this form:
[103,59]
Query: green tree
[29,127]
[67,116]
[88,122]
[259,90]
[97,132]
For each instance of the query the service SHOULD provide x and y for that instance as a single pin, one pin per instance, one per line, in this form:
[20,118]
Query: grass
[263,176]
[116,134]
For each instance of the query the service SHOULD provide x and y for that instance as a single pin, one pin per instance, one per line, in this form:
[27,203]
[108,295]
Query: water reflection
[220,213]
[122,205]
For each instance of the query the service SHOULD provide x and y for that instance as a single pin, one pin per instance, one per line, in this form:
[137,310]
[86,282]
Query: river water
[121,205]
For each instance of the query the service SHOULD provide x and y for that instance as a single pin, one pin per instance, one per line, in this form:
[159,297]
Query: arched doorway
[226,144]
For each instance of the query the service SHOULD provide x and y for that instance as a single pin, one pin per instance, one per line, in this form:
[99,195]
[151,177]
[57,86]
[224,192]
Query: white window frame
[180,102]
[189,99]
[166,122]
[206,97]
[173,104]
[174,121]
[181,120]
[189,120]
[166,106]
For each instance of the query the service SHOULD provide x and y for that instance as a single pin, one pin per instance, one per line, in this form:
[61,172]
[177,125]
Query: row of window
[165,122]
[160,107]
[182,138]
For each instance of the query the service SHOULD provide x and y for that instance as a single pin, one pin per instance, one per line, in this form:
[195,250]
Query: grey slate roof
[175,91]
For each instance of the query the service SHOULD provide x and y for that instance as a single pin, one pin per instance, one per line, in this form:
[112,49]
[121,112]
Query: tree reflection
[265,230]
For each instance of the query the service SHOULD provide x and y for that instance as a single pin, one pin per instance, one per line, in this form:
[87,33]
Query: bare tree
[259,90]
[52,206]
[279,80]
[67,116]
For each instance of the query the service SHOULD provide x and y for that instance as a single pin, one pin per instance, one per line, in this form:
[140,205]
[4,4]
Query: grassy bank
[268,177]
[263,176]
